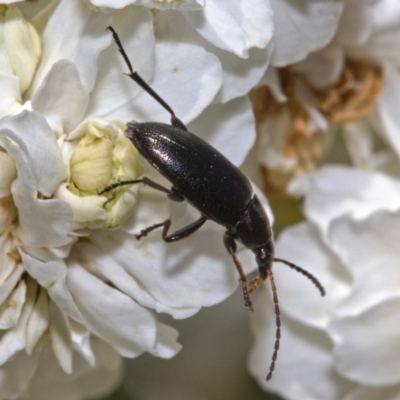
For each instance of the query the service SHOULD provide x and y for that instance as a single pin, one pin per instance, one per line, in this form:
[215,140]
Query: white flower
[239,34]
[336,102]
[81,295]
[342,346]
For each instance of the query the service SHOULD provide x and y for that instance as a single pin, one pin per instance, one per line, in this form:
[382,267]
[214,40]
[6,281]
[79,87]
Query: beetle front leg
[172,193]
[254,283]
[230,245]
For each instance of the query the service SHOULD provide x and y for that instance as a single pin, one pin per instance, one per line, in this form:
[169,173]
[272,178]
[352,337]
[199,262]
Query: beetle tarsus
[147,230]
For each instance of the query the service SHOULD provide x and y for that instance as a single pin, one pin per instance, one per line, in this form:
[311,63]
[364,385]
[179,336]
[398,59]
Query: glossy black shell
[205,177]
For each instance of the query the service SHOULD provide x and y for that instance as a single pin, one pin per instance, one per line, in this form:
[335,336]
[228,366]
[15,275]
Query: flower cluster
[337,105]
[78,291]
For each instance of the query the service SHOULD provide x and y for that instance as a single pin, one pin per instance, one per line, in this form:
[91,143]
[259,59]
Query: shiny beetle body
[205,178]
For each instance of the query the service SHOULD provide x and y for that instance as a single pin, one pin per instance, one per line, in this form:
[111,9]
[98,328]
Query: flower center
[296,127]
[353,97]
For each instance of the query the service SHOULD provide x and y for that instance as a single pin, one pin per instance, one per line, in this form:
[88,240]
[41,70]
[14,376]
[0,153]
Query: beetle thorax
[254,229]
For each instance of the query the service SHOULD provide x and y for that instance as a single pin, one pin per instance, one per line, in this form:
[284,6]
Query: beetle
[205,178]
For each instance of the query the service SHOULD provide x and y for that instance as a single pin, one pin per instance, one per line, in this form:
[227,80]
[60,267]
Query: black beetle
[213,185]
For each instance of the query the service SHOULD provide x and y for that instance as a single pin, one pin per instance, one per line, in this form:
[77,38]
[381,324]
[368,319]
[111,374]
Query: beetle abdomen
[202,174]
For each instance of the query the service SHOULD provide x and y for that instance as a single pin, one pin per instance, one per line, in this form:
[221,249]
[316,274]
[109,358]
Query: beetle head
[264,258]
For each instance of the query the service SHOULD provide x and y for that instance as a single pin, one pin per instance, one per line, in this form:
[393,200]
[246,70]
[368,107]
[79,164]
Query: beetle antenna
[139,80]
[311,277]
[278,325]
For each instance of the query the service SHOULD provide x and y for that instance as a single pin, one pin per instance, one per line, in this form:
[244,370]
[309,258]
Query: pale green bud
[101,155]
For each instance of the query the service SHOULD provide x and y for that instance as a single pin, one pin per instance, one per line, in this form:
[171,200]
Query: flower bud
[101,155]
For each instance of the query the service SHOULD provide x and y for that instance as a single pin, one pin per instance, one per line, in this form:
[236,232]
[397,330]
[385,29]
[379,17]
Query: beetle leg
[172,193]
[230,245]
[182,233]
[145,231]
[254,283]
[178,235]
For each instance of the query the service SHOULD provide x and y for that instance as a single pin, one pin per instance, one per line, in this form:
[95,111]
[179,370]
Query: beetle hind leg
[178,235]
[147,230]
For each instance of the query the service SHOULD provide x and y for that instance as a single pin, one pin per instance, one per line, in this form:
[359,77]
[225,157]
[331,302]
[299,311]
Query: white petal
[8,173]
[335,191]
[8,214]
[88,211]
[365,343]
[360,142]
[8,264]
[272,80]
[38,321]
[10,97]
[111,315]
[14,339]
[166,345]
[369,249]
[161,4]
[16,374]
[323,67]
[81,341]
[28,139]
[356,24]
[229,127]
[52,277]
[51,382]
[81,40]
[61,98]
[239,75]
[383,20]
[302,246]
[234,26]
[305,368]
[22,46]
[270,148]
[302,27]
[10,310]
[10,280]
[192,77]
[60,335]
[33,9]
[108,269]
[39,147]
[113,89]
[387,109]
[181,276]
